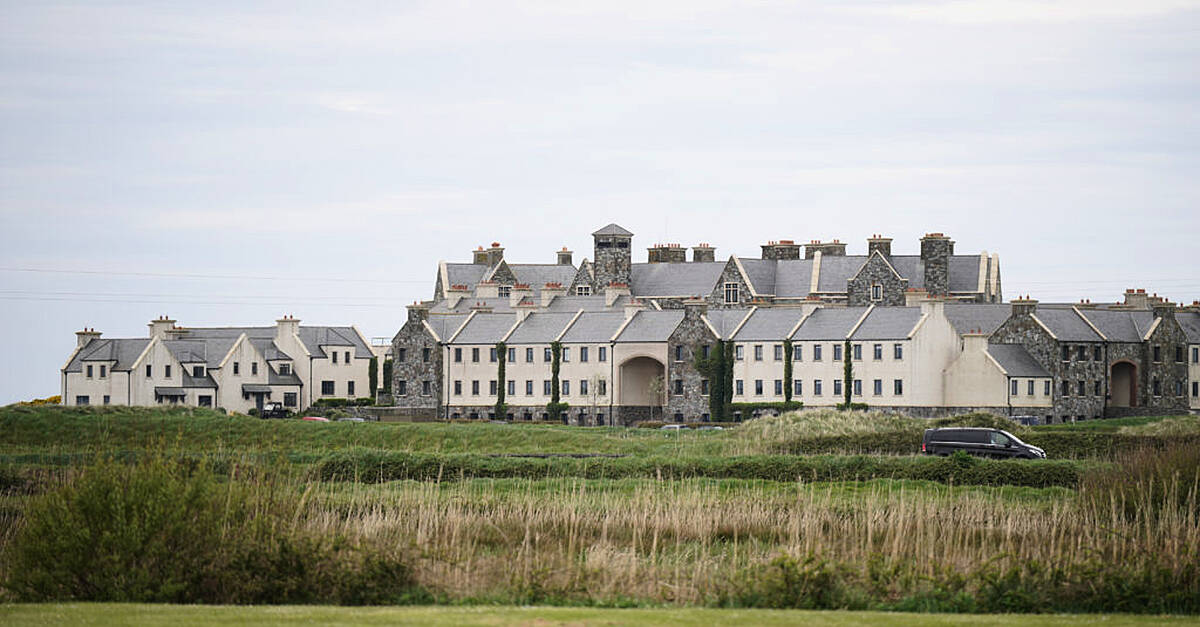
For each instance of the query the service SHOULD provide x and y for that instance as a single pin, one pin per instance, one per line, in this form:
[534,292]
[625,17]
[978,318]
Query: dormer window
[731,293]
[285,369]
[504,291]
[583,290]
[197,371]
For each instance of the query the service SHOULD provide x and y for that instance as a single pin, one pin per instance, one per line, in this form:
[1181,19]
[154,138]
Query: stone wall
[612,262]
[1024,330]
[876,271]
[1168,335]
[936,251]
[691,334]
[730,274]
[413,337]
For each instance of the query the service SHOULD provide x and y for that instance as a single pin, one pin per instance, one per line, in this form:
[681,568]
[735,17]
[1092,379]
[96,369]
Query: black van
[978,441]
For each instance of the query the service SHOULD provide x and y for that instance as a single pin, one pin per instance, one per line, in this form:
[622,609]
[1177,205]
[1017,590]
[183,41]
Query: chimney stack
[495,254]
[479,256]
[666,253]
[288,326]
[1164,309]
[827,249]
[455,294]
[550,291]
[1024,306]
[782,249]
[1136,299]
[704,253]
[518,292]
[564,257]
[632,307]
[160,326]
[481,307]
[614,291]
[880,243]
[487,289]
[86,335]
[974,341]
[936,250]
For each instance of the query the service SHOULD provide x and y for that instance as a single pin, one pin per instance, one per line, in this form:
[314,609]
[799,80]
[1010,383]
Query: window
[457,356]
[566,355]
[778,387]
[583,386]
[857,352]
[1029,388]
[103,371]
[778,350]
[402,355]
[529,387]
[237,368]
[1015,383]
[797,388]
[1178,389]
[739,388]
[512,356]
[149,371]
[289,399]
[512,388]
[108,399]
[1081,352]
[81,400]
[897,352]
[877,352]
[758,353]
[1066,388]
[758,388]
[402,387]
[334,353]
[677,387]
[346,356]
[877,387]
[798,352]
[167,371]
[731,293]
[679,352]
[602,387]
[1195,389]
[816,387]
[327,388]
[898,387]
[816,352]
[1066,353]
[1096,355]
[583,290]
[547,355]
[198,371]
[1157,386]
[475,355]
[837,387]
[583,354]
[1046,388]
[492,387]
[837,352]
[1157,353]
[492,356]
[704,387]
[1096,388]
[566,387]
[475,387]
[858,387]
[458,387]
[349,388]
[254,368]
[546,391]
[285,369]
[1079,387]
[602,353]
[1178,358]
[426,387]
[877,292]
[1195,355]
[705,351]
[89,371]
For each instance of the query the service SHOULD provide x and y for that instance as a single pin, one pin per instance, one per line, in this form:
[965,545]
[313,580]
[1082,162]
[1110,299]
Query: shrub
[166,531]
[1146,481]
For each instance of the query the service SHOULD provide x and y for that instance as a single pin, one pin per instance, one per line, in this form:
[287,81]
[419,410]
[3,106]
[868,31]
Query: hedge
[343,402]
[1058,444]
[369,465]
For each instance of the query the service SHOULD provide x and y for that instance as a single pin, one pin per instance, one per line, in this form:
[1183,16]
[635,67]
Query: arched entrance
[1123,385]
[638,382]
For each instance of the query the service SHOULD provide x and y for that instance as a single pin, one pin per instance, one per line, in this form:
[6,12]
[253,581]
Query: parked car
[351,419]
[273,410]
[978,441]
[710,428]
[315,419]
[1028,421]
[673,428]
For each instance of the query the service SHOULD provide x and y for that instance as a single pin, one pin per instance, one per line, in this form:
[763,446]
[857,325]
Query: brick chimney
[1024,306]
[479,256]
[550,291]
[518,292]
[613,291]
[666,253]
[487,289]
[632,307]
[880,243]
[289,326]
[160,326]
[1164,309]
[495,254]
[704,253]
[455,294]
[782,249]
[1136,299]
[936,250]
[564,257]
[86,335]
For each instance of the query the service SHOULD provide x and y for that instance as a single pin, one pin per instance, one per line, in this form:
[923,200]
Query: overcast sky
[224,163]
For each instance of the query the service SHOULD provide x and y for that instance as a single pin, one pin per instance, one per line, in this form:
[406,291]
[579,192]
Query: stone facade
[731,274]
[783,249]
[422,361]
[936,250]
[876,271]
[584,276]
[669,253]
[688,339]
[1167,371]
[613,259]
[1022,329]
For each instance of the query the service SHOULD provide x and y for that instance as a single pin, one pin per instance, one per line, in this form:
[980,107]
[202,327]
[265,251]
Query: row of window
[1030,386]
[1097,389]
[547,356]
[547,387]
[345,357]
[329,388]
[1080,352]
[402,355]
[818,388]
[856,352]
[203,400]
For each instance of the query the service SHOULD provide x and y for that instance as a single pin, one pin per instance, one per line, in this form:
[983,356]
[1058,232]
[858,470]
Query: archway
[638,377]
[1123,385]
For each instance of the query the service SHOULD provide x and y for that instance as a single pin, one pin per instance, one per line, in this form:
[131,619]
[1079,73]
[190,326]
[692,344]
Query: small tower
[612,258]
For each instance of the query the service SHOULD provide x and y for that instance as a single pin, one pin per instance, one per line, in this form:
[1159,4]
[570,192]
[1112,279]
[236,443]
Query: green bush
[748,409]
[343,402]
[166,530]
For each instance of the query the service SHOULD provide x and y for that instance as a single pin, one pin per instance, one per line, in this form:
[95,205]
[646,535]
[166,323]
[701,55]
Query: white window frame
[731,293]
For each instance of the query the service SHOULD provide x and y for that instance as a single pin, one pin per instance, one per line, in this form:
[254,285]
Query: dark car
[273,410]
[978,441]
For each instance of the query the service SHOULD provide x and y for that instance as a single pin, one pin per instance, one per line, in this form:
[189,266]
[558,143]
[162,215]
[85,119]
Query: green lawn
[185,615]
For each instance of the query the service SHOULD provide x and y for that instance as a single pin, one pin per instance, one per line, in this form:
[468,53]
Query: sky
[225,163]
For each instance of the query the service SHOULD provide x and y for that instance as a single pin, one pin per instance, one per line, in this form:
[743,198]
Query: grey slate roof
[199,382]
[1190,321]
[725,321]
[769,324]
[1119,326]
[464,306]
[485,329]
[446,324]
[1016,361]
[888,323]
[311,336]
[586,303]
[651,326]
[829,323]
[540,328]
[314,337]
[793,277]
[613,229]
[910,267]
[964,273]
[537,275]
[761,272]
[1066,325]
[465,273]
[970,317]
[274,378]
[122,351]
[675,279]
[836,270]
[595,327]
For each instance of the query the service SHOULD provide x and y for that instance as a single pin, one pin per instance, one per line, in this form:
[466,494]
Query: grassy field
[185,616]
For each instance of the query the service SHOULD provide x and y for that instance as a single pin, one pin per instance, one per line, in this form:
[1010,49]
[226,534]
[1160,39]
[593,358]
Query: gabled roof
[651,326]
[836,270]
[613,229]
[1066,325]
[484,328]
[595,327]
[769,324]
[1016,361]
[726,321]
[311,336]
[761,273]
[205,381]
[586,303]
[793,278]
[498,304]
[122,351]
[540,328]
[1118,326]
[888,323]
[829,323]
[675,279]
[465,274]
[445,325]
[1190,321]
[982,318]
[537,275]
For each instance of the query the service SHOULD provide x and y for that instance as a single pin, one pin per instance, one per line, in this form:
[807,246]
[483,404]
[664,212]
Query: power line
[178,275]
